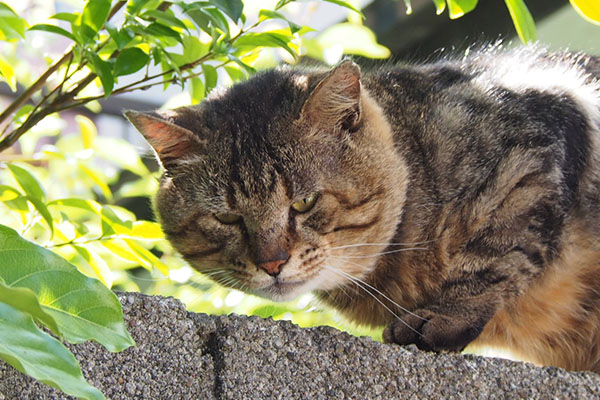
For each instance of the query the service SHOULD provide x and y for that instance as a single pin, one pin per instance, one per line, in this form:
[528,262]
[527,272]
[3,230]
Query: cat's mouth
[280,290]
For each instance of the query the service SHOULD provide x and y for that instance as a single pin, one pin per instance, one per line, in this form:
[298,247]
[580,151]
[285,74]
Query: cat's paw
[432,331]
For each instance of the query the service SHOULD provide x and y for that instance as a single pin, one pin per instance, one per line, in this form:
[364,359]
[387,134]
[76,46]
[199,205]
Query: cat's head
[272,186]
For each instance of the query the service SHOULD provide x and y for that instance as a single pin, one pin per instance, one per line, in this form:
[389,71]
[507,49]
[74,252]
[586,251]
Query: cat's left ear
[336,99]
[171,142]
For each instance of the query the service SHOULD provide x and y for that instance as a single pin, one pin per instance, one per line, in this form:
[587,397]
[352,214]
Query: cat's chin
[283,291]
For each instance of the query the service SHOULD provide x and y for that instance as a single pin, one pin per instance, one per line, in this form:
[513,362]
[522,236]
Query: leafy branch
[148,34]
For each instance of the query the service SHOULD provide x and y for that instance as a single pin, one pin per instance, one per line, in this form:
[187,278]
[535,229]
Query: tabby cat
[456,202]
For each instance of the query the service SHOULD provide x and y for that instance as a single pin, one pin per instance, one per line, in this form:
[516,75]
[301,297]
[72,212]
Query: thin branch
[37,85]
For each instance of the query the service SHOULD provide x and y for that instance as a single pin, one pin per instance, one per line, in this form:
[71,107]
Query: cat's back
[462,118]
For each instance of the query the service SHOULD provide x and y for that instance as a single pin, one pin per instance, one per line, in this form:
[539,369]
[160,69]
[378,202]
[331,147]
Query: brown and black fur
[464,196]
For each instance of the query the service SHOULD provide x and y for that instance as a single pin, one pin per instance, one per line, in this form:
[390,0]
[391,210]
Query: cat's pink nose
[272,268]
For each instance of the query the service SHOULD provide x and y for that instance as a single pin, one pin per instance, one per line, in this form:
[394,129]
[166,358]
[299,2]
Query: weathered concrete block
[182,355]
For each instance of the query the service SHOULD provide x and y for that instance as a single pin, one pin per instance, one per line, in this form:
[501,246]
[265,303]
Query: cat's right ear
[170,142]
[336,100]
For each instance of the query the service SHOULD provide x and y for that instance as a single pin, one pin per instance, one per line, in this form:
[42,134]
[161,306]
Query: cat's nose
[273,267]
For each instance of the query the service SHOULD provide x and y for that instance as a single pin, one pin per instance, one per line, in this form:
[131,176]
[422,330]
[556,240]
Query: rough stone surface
[181,355]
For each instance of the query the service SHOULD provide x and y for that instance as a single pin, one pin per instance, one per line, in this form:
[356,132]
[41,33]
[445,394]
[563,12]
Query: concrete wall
[182,355]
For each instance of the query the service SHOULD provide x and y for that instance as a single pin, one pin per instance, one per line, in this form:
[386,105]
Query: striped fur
[457,202]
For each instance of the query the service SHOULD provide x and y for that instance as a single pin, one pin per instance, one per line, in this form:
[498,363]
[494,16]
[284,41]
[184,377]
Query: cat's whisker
[379,244]
[358,283]
[379,254]
[380,292]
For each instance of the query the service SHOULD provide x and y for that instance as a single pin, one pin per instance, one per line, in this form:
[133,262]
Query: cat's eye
[228,218]
[305,204]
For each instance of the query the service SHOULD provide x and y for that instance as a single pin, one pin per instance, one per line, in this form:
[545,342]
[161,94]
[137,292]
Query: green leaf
[268,14]
[134,6]
[95,13]
[130,60]
[353,39]
[88,205]
[27,181]
[524,23]
[162,31]
[12,27]
[167,18]
[232,8]
[198,91]
[97,264]
[458,8]
[25,300]
[440,6]
[347,5]
[121,37]
[40,206]
[235,74]
[265,39]
[64,16]
[87,129]
[98,179]
[103,70]
[588,9]
[146,258]
[37,354]
[269,311]
[83,308]
[210,77]
[53,29]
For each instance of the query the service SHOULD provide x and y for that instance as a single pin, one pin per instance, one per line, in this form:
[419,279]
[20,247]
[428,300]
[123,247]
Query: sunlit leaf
[53,29]
[167,18]
[103,70]
[265,39]
[458,8]
[98,179]
[588,9]
[198,90]
[12,27]
[97,264]
[233,8]
[7,72]
[95,13]
[210,77]
[268,14]
[122,153]
[88,205]
[34,191]
[522,19]
[88,130]
[135,6]
[30,185]
[162,31]
[130,60]
[146,258]
[235,74]
[346,5]
[120,249]
[35,353]
[121,37]
[8,193]
[64,16]
[440,6]
[83,308]
[23,299]
[349,39]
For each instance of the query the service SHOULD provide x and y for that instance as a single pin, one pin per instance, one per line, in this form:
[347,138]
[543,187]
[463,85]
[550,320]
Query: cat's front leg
[466,303]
